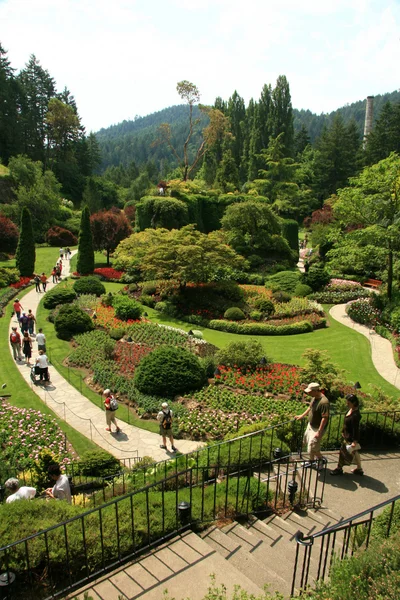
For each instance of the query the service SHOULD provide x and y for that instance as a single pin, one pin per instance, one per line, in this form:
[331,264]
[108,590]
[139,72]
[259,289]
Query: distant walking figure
[17,306]
[164,417]
[31,321]
[41,340]
[43,279]
[27,347]
[15,341]
[36,279]
[54,274]
[109,404]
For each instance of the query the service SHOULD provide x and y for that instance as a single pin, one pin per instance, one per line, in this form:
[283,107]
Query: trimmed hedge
[72,320]
[261,328]
[89,285]
[126,309]
[234,314]
[58,295]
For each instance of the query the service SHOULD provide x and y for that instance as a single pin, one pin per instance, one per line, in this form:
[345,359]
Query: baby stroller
[35,375]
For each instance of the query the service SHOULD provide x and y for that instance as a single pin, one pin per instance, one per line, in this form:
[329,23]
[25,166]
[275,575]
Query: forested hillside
[132,140]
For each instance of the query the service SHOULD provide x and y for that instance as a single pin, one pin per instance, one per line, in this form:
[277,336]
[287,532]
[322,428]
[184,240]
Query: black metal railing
[67,555]
[320,549]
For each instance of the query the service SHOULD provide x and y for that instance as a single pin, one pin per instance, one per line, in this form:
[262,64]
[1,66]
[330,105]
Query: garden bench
[373,283]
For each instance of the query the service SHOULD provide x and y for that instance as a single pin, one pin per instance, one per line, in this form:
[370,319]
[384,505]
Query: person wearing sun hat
[164,417]
[318,416]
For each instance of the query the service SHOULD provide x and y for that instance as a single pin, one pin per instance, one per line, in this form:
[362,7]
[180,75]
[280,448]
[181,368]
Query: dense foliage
[71,320]
[58,236]
[61,294]
[89,285]
[25,254]
[85,262]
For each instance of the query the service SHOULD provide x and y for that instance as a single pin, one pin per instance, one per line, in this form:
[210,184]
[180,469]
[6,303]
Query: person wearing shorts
[318,416]
[164,417]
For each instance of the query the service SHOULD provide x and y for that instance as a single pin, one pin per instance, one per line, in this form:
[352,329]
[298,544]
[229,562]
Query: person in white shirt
[42,362]
[41,340]
[61,489]
[18,492]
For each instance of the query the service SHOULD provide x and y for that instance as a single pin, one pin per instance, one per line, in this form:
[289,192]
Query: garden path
[79,412]
[381,348]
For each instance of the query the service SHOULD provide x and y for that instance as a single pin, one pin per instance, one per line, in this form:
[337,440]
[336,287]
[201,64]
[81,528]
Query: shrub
[264,305]
[8,276]
[116,333]
[107,299]
[318,367]
[149,288]
[302,290]
[285,281]
[132,287]
[85,262]
[242,354]
[58,295]
[260,328]
[209,365]
[126,308]
[147,300]
[168,371]
[167,308]
[362,312]
[317,277]
[98,463]
[8,234]
[58,236]
[72,320]
[280,296]
[256,315]
[234,314]
[89,285]
[290,231]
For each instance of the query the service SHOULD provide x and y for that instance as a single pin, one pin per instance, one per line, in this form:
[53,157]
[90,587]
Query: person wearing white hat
[164,417]
[318,416]
[110,410]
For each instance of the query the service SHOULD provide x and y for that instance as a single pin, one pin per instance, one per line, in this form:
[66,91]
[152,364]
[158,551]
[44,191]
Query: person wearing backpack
[15,341]
[24,322]
[111,405]
[165,419]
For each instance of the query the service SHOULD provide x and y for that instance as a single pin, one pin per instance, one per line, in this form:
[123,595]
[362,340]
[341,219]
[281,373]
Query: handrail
[309,540]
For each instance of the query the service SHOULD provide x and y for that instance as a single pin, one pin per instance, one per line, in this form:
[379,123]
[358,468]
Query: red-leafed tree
[8,235]
[109,228]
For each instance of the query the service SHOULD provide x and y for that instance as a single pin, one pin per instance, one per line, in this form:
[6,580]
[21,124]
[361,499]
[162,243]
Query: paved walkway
[79,412]
[381,349]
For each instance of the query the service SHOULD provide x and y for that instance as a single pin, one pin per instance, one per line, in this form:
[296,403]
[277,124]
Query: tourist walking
[27,347]
[111,406]
[68,254]
[15,341]
[41,340]
[36,279]
[349,451]
[18,308]
[18,492]
[61,489]
[54,274]
[318,416]
[42,364]
[31,322]
[61,253]
[43,279]
[164,417]
[24,322]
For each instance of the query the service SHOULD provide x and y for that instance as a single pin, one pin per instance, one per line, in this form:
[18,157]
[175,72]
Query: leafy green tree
[185,255]
[109,228]
[227,174]
[25,254]
[62,126]
[236,112]
[385,136]
[373,201]
[10,96]
[100,194]
[282,114]
[155,211]
[85,262]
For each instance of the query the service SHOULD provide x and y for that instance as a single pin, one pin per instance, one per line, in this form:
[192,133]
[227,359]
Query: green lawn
[99,261]
[46,258]
[23,396]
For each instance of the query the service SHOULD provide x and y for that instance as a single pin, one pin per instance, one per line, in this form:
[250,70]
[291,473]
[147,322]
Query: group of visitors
[40,280]
[61,489]
[65,253]
[318,418]
[56,272]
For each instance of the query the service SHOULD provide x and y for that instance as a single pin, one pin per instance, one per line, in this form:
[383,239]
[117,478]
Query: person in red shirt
[43,279]
[15,341]
[18,308]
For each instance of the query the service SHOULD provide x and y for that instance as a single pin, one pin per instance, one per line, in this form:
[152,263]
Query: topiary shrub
[316,277]
[168,371]
[246,355]
[234,314]
[58,295]
[72,320]
[149,288]
[147,300]
[89,285]
[132,287]
[256,315]
[58,236]
[302,290]
[280,296]
[126,308]
[98,463]
[85,260]
[264,305]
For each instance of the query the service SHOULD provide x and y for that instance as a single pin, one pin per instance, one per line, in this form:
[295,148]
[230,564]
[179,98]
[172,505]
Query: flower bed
[276,379]
[128,355]
[22,283]
[109,274]
[105,317]
[334,295]
[362,312]
[25,432]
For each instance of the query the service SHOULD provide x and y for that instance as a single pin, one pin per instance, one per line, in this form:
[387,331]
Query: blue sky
[123,58]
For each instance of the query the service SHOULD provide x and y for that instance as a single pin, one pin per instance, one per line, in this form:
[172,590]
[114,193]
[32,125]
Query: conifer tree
[85,263]
[25,254]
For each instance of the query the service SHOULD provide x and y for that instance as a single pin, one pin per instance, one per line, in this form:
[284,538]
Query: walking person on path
[15,341]
[164,417]
[42,363]
[318,416]
[36,279]
[54,274]
[27,347]
[24,322]
[31,322]
[109,404]
[43,279]
[18,308]
[349,451]
[41,340]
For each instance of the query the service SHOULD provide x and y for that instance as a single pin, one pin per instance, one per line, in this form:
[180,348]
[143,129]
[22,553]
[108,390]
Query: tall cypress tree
[25,254]
[85,263]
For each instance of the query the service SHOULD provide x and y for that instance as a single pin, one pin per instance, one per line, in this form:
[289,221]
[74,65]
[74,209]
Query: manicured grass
[22,395]
[348,349]
[46,258]
[99,261]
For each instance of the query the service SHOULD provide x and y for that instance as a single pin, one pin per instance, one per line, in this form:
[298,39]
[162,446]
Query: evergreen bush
[126,308]
[89,285]
[262,328]
[290,231]
[302,290]
[316,277]
[58,295]
[72,320]
[85,262]
[168,371]
[284,280]
[147,300]
[245,355]
[25,254]
[149,288]
[264,305]
[281,296]
[234,314]
[98,463]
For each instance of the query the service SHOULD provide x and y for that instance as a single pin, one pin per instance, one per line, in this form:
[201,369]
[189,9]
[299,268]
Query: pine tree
[85,263]
[385,136]
[282,117]
[10,92]
[227,174]
[25,254]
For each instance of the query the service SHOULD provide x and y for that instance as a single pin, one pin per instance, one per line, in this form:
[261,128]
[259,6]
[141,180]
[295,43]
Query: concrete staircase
[250,554]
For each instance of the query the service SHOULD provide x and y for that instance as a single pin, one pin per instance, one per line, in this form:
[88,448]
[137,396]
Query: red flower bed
[108,273]
[106,318]
[128,356]
[276,379]
[23,282]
